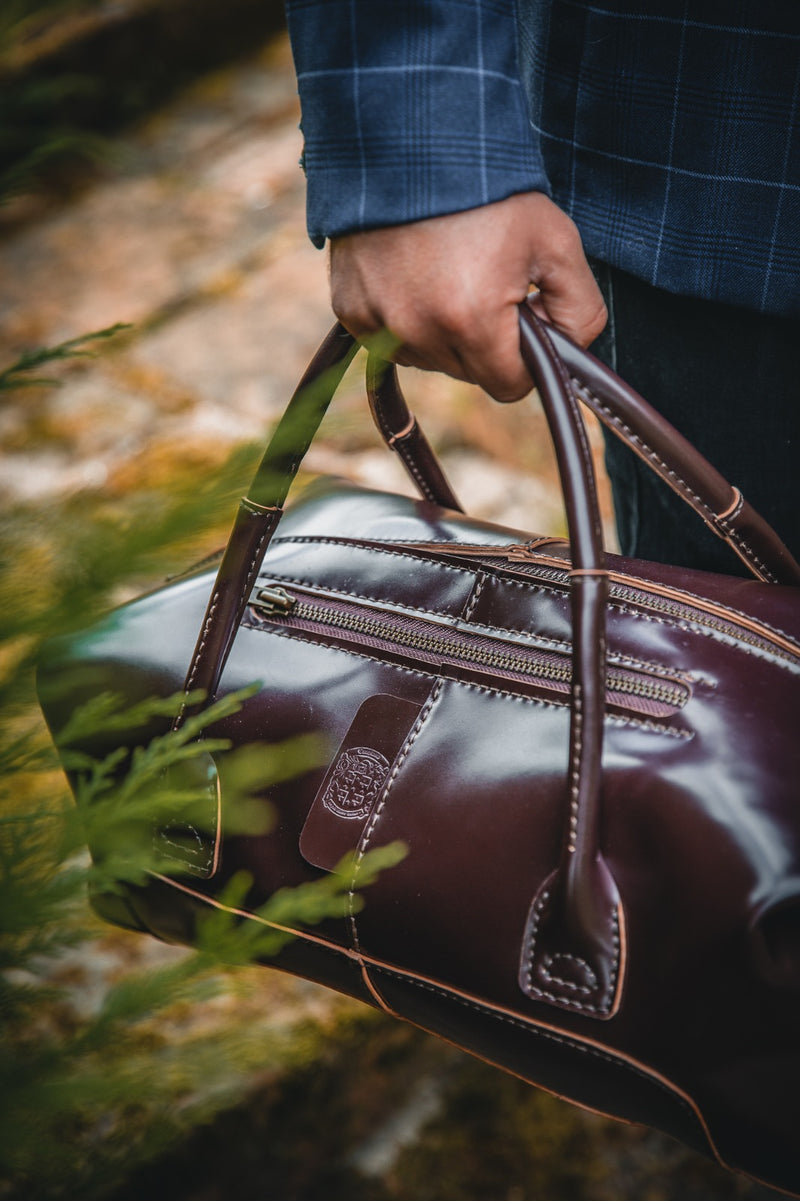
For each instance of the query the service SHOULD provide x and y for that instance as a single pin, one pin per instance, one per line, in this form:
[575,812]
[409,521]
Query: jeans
[726,378]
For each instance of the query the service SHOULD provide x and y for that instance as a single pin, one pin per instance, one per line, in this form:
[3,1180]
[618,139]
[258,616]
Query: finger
[568,293]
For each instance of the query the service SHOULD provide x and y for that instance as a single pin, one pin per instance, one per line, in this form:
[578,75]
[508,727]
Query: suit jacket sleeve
[410,109]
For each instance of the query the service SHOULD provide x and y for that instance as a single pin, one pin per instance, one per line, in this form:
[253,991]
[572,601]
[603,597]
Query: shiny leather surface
[672,994]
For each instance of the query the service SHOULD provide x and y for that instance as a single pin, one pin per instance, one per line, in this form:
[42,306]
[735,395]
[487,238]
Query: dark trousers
[726,378]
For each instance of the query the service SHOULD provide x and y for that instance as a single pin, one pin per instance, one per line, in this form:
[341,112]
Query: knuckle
[594,325]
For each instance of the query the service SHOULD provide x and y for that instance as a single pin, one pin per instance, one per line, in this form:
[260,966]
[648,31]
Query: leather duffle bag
[593,764]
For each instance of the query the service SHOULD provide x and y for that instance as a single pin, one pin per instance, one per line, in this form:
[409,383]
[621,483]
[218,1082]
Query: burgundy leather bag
[593,762]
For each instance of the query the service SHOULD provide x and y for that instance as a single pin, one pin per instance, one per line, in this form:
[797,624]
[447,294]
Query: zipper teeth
[521,557]
[462,647]
[661,604]
[429,642]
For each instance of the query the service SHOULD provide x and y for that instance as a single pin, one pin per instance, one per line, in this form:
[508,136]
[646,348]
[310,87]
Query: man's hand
[448,288]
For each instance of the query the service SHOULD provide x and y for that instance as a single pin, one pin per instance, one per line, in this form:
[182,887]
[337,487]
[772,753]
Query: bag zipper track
[430,643]
[657,598]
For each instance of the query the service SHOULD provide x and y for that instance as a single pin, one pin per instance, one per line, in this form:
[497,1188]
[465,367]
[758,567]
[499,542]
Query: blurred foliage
[73,72]
[95,1081]
[35,135]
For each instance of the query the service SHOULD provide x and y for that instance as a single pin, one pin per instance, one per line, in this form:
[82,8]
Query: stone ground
[197,239]
[195,236]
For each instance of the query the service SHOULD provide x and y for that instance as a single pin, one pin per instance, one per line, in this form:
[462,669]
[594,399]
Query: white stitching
[359,544]
[617,421]
[480,580]
[575,768]
[604,1003]
[550,960]
[375,817]
[615,719]
[198,654]
[531,1028]
[411,466]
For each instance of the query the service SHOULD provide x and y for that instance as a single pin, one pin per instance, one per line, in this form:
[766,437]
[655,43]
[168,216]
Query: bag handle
[573,945]
[671,456]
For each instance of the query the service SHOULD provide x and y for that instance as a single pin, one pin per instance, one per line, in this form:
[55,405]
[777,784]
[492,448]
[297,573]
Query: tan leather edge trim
[368,960]
[687,598]
[407,429]
[699,602]
[623,963]
[382,1004]
[732,507]
[215,904]
[251,504]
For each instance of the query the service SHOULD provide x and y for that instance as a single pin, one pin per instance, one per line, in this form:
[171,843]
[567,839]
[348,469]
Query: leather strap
[671,456]
[402,433]
[678,463]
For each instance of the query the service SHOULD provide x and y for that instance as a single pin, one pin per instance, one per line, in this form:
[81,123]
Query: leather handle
[572,950]
[672,457]
[403,434]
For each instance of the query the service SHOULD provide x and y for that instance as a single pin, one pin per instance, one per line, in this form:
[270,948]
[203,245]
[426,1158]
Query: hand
[448,288]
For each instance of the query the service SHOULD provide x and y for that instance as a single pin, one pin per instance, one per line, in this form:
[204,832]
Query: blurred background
[158,301]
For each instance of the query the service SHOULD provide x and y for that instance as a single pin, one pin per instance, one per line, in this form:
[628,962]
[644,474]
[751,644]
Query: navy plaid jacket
[669,131]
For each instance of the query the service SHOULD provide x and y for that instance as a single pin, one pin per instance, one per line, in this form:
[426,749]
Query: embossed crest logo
[355,782]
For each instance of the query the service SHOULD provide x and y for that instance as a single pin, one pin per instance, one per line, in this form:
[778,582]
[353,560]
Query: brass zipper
[431,643]
[658,598]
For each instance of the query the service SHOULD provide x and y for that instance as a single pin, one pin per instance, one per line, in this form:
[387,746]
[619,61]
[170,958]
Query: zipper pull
[272,600]
[524,552]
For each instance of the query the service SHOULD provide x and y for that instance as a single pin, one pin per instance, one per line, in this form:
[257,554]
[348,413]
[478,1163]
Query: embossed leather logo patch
[357,777]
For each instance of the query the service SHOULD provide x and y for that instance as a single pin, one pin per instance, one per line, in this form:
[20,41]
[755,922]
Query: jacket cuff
[409,110]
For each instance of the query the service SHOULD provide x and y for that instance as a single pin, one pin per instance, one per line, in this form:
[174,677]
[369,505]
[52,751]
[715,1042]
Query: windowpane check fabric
[671,135]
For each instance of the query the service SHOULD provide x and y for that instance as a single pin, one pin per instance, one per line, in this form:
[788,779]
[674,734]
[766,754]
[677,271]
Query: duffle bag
[593,764]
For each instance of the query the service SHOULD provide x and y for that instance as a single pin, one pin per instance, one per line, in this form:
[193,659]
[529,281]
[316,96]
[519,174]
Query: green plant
[92,1085]
[34,134]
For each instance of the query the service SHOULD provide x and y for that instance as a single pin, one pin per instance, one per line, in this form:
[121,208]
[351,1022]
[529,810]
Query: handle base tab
[573,956]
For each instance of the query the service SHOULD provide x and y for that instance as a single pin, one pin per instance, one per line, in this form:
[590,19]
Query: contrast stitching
[550,960]
[473,600]
[197,656]
[358,544]
[411,466]
[616,719]
[575,767]
[375,818]
[733,535]
[531,1028]
[604,1003]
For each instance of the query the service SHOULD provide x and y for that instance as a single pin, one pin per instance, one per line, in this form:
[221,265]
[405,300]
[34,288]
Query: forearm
[423,171]
[409,110]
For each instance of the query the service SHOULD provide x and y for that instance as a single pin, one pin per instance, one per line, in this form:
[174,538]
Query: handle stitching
[549,962]
[732,535]
[197,657]
[604,1003]
[575,773]
[419,479]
